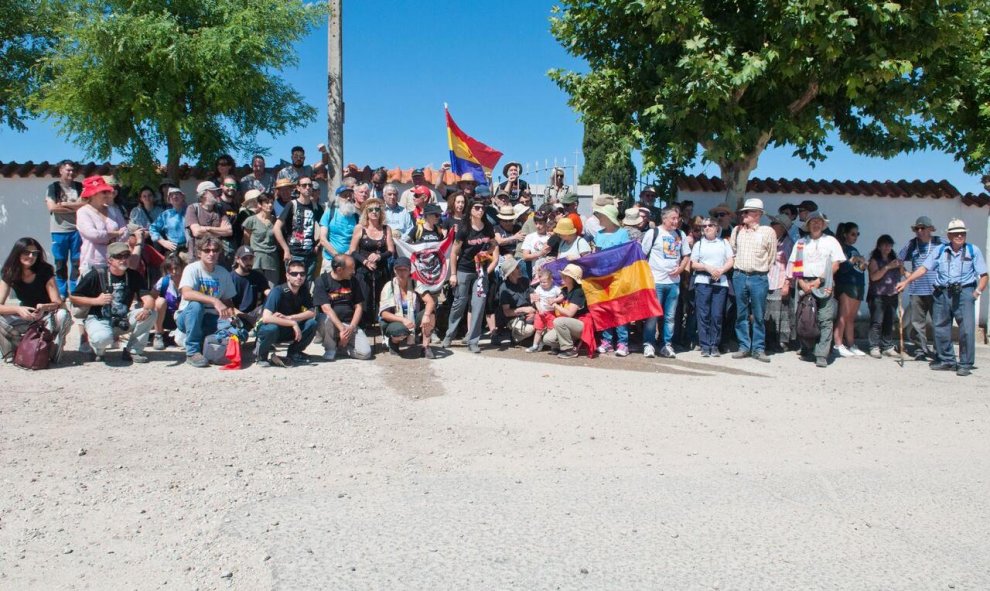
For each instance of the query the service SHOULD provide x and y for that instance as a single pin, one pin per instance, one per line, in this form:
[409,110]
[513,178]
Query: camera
[954,289]
[121,324]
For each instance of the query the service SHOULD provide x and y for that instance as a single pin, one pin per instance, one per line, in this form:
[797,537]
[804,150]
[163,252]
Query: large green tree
[725,80]
[606,162]
[190,79]
[25,36]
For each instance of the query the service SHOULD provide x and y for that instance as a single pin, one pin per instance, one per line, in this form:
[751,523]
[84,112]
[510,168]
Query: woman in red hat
[98,223]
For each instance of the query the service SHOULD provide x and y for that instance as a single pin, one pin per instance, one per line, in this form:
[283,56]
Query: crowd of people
[266,259]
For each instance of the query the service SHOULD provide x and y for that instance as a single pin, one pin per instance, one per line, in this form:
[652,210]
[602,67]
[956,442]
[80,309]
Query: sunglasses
[305,184]
[477,207]
[374,209]
[121,257]
[721,214]
[707,225]
[230,185]
[30,253]
[210,250]
[296,273]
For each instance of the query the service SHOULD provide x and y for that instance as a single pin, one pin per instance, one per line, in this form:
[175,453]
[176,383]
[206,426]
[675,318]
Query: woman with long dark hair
[885,271]
[32,280]
[473,260]
[849,290]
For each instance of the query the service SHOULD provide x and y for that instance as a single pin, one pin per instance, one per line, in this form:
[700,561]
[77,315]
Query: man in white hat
[915,252]
[814,260]
[202,219]
[756,249]
[960,277]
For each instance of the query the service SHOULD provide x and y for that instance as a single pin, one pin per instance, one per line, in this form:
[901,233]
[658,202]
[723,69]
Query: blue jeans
[65,249]
[621,331]
[667,296]
[196,323]
[751,298]
[709,303]
[271,334]
[960,308]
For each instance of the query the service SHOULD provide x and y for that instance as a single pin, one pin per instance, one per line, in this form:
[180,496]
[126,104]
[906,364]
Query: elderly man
[168,230]
[405,309]
[920,292]
[285,190]
[814,260]
[207,297]
[258,179]
[63,199]
[666,248]
[755,248]
[288,317]
[779,316]
[109,294]
[396,216]
[296,228]
[341,301]
[203,221]
[960,277]
[408,198]
[337,225]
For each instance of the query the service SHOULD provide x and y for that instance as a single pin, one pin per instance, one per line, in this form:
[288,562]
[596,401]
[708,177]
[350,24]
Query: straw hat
[284,182]
[565,227]
[506,213]
[508,265]
[956,226]
[632,217]
[752,204]
[467,177]
[721,207]
[574,272]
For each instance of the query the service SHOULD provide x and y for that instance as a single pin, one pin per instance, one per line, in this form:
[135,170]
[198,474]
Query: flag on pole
[430,261]
[468,154]
[617,283]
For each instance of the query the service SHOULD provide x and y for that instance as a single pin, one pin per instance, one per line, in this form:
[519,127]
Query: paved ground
[499,471]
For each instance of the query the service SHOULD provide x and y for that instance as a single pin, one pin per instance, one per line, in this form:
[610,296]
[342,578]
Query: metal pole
[335,95]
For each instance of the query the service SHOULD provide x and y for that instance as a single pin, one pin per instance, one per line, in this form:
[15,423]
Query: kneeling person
[207,290]
[109,294]
[288,317]
[339,297]
[404,310]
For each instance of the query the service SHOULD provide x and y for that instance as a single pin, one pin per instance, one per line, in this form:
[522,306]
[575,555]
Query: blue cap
[342,188]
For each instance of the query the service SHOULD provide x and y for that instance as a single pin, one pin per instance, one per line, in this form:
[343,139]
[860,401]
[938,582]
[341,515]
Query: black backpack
[806,319]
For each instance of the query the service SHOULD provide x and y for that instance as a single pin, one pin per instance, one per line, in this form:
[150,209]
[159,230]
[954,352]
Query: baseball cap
[244,251]
[118,248]
[205,186]
[403,262]
[421,190]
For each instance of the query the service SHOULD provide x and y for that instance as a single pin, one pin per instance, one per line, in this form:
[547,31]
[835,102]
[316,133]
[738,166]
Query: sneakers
[761,356]
[622,350]
[329,355]
[197,360]
[875,353]
[891,352]
[942,366]
[844,351]
[133,357]
[856,351]
[740,354]
[821,362]
[963,371]
[705,353]
[568,354]
[648,351]
[179,337]
[445,343]
[158,342]
[667,352]
[716,353]
[535,348]
[474,348]
[604,348]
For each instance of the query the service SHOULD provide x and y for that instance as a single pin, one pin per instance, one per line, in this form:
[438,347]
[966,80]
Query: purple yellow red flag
[617,283]
[468,154]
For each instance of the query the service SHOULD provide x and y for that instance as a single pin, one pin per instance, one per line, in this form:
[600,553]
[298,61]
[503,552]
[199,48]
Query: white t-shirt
[547,296]
[815,253]
[665,252]
[216,284]
[579,247]
[713,253]
[533,242]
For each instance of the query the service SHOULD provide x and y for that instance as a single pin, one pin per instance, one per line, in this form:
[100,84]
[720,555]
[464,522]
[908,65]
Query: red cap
[93,185]
[421,190]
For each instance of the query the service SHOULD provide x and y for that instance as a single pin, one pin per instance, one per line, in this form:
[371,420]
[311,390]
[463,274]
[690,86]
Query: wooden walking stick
[900,327]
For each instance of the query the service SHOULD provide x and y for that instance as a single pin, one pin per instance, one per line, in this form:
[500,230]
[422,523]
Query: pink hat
[93,185]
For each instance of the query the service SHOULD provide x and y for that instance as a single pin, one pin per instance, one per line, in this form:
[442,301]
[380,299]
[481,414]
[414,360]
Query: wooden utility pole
[335,95]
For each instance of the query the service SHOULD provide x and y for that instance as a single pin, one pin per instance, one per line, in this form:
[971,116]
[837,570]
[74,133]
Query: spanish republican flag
[618,285]
[468,154]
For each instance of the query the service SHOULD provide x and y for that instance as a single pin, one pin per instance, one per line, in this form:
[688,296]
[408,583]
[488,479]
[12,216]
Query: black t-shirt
[34,293]
[249,290]
[576,297]
[282,300]
[472,243]
[449,223]
[230,211]
[342,295]
[425,235]
[299,227]
[510,247]
[515,295]
[125,288]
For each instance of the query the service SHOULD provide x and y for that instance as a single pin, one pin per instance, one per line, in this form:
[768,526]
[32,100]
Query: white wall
[875,216]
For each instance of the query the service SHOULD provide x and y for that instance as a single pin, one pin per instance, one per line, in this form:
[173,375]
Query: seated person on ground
[341,301]
[404,311]
[288,317]
[207,292]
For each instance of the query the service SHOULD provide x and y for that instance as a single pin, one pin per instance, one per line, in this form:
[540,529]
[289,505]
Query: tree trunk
[173,155]
[735,173]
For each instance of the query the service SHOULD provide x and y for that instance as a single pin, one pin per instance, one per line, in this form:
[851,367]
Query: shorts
[543,321]
[855,292]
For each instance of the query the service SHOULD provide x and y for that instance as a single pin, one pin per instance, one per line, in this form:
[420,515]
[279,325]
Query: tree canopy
[25,36]
[725,80]
[193,78]
[606,163]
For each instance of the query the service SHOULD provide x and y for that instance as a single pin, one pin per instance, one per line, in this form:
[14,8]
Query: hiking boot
[761,356]
[740,354]
[568,354]
[197,360]
[158,342]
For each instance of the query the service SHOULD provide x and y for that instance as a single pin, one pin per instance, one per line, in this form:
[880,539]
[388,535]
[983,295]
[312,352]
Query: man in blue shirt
[920,292]
[960,276]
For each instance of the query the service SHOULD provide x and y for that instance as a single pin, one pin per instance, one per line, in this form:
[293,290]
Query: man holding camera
[109,293]
[960,276]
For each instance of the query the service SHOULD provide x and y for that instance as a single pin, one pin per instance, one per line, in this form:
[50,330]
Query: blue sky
[489,61]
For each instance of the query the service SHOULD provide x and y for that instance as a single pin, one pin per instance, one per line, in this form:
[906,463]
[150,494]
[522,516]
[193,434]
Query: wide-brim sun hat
[611,212]
[574,272]
[285,182]
[956,226]
[565,227]
[721,207]
[752,204]
[506,213]
[505,169]
[814,215]
[94,185]
[251,198]
[569,199]
[467,177]
[632,217]
[508,265]
[783,221]
[923,222]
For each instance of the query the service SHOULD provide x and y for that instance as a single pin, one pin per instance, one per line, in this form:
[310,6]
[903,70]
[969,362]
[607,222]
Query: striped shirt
[755,249]
[924,285]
